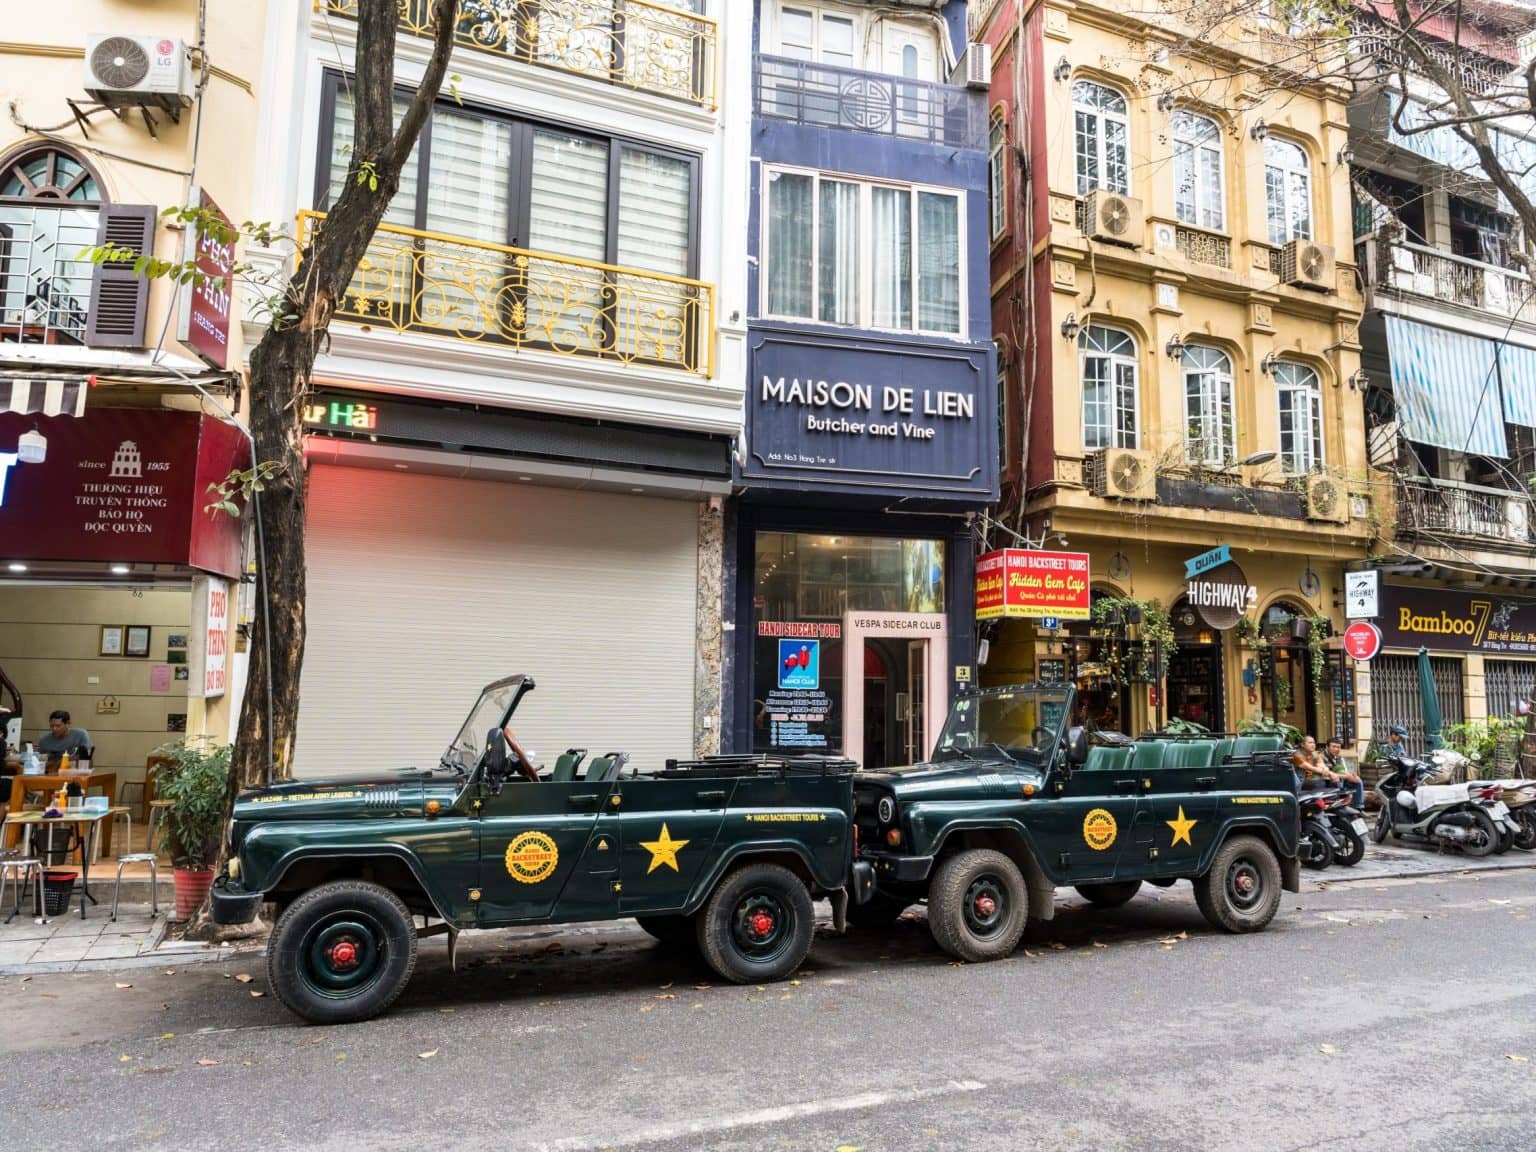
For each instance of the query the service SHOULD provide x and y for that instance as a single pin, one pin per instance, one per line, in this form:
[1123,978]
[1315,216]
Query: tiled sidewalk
[67,940]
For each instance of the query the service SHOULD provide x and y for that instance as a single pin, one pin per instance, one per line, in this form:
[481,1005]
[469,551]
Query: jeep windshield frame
[494,708]
[1023,725]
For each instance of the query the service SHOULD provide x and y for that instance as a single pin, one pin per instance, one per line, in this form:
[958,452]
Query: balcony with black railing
[1469,513]
[827,96]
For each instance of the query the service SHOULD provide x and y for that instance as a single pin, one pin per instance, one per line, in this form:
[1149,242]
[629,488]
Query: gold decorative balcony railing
[648,45]
[1203,247]
[486,293]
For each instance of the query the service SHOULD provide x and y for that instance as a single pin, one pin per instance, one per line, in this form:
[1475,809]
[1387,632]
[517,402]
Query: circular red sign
[1362,640]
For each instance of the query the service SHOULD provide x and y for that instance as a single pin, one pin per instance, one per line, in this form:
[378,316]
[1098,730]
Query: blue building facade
[870,437]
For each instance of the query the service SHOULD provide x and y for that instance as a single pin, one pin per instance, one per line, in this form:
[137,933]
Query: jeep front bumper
[893,869]
[231,905]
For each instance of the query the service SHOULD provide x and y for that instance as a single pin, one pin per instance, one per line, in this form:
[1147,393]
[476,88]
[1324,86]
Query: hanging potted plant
[1247,630]
[1319,628]
[195,784]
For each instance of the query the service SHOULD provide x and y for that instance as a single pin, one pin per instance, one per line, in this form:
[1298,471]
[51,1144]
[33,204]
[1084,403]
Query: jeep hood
[379,793]
[953,779]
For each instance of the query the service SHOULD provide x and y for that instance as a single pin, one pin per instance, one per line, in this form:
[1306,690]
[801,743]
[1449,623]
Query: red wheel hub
[343,954]
[985,906]
[760,923]
[1244,884]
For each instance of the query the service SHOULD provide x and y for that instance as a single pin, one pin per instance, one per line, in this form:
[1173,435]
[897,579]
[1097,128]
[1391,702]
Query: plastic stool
[20,870]
[154,880]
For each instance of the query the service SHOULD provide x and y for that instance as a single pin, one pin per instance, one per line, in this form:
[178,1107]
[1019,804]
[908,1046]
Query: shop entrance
[1290,688]
[892,718]
[1194,672]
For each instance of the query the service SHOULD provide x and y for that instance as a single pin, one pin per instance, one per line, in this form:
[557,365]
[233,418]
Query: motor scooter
[1318,845]
[1348,826]
[1468,817]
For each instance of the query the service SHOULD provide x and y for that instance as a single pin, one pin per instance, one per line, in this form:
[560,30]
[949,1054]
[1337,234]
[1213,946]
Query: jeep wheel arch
[786,854]
[1290,867]
[397,871]
[1012,841]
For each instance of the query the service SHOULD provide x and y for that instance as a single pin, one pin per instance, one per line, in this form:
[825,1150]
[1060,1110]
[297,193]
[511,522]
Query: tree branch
[445,21]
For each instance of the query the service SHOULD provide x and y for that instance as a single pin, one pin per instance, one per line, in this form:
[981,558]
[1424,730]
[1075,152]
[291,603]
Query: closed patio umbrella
[1433,723]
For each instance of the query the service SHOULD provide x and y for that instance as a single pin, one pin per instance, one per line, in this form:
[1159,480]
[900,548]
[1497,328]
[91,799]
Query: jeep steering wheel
[523,762]
[1040,736]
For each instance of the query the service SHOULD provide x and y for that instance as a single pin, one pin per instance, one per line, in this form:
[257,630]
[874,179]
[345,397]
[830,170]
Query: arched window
[1301,418]
[50,200]
[1198,190]
[1210,432]
[1101,130]
[48,173]
[1287,191]
[997,176]
[1109,387]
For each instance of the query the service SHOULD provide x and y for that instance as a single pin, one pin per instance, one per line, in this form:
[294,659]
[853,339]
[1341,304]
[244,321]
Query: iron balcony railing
[649,46]
[45,284]
[476,291]
[1400,266]
[832,97]
[1203,247]
[1465,511]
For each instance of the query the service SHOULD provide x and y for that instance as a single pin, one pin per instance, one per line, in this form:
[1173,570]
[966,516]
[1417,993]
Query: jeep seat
[1190,754]
[566,764]
[1149,755]
[605,768]
[1101,759]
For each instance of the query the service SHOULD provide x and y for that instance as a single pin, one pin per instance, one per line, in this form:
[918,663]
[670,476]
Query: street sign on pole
[1362,595]
[1362,640]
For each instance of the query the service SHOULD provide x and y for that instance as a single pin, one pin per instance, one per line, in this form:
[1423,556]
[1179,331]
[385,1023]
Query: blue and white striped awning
[43,396]
[1430,136]
[1447,388]
[1517,377]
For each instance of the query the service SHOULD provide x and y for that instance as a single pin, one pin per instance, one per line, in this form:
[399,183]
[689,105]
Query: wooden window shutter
[119,296]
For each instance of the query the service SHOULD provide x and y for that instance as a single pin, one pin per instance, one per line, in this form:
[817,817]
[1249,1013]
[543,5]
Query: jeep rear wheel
[978,905]
[342,952]
[670,931]
[1109,895]
[1241,892]
[757,925]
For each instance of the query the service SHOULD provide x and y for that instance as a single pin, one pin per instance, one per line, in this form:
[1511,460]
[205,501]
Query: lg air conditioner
[1122,474]
[1308,264]
[1111,217]
[139,71]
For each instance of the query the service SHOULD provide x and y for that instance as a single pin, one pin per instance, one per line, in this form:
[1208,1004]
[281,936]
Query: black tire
[1489,835]
[978,905]
[757,924]
[1525,839]
[1241,892]
[1109,895]
[1383,826]
[878,912]
[1351,849]
[1313,850]
[671,931]
[342,952]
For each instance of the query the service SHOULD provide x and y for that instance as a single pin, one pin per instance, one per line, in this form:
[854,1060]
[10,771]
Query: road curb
[169,958]
[1331,876]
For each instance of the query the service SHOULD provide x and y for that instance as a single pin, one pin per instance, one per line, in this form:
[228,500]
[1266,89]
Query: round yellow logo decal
[1100,829]
[532,857]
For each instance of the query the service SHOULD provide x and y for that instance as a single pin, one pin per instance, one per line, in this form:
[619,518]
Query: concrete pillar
[708,604]
[1474,690]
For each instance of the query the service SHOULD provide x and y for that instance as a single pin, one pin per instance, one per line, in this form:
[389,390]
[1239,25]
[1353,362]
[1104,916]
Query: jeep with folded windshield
[1016,803]
[725,854]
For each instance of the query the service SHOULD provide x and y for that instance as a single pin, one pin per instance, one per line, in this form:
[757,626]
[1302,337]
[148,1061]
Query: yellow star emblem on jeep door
[663,851]
[1181,829]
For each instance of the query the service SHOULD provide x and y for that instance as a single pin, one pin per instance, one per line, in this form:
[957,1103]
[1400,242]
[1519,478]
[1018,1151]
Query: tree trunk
[280,379]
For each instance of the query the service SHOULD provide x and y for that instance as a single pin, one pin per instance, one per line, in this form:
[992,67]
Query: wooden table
[31,821]
[21,785]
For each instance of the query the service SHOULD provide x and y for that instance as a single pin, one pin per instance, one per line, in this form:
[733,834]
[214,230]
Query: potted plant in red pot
[194,782]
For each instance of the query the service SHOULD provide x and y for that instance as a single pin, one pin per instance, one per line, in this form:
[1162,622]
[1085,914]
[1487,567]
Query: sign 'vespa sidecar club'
[907,417]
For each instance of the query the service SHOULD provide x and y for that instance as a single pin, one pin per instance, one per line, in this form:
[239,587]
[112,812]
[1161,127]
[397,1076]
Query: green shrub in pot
[196,783]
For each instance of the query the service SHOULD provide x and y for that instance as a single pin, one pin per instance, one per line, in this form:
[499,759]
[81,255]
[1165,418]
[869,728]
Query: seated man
[1307,763]
[1333,757]
[61,737]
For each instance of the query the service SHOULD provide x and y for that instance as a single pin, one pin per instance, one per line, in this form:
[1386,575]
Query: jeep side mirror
[1077,747]
[496,755]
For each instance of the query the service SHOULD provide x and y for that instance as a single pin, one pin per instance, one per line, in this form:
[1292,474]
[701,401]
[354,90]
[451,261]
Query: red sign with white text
[122,485]
[1026,582]
[1362,640]
[205,306]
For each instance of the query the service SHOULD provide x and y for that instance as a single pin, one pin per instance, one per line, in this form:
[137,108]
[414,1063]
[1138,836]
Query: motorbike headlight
[886,810]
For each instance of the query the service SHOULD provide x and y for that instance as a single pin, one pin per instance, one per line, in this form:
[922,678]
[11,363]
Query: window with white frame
[1210,428]
[1301,418]
[1109,387]
[1198,191]
[808,33]
[1287,191]
[848,37]
[870,255]
[1101,130]
[1002,404]
[997,177]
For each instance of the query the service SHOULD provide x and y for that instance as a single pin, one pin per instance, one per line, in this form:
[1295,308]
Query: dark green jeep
[1015,804]
[727,853]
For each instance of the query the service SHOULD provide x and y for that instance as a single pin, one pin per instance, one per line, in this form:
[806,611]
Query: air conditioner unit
[141,71]
[1326,500]
[1111,217]
[1308,264]
[975,67]
[1122,474]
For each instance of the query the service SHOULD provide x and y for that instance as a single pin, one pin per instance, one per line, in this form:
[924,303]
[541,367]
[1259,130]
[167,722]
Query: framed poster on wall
[136,641]
[111,640]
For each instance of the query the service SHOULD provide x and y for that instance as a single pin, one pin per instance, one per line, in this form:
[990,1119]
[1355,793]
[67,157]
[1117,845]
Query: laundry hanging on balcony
[1447,388]
[1517,380]
[43,396]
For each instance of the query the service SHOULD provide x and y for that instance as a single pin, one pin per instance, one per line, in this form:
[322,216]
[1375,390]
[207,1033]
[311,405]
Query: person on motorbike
[1333,758]
[1396,747]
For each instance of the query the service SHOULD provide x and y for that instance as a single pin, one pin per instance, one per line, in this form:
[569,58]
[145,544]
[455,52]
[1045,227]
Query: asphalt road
[1371,1016]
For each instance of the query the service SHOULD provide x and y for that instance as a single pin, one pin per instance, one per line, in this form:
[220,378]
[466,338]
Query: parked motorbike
[1348,825]
[1469,817]
[1319,845]
[1519,796]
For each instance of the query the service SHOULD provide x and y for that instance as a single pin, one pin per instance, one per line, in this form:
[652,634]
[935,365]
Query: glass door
[917,696]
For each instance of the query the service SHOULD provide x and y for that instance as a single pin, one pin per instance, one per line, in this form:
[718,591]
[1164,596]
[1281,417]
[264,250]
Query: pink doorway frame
[860,626]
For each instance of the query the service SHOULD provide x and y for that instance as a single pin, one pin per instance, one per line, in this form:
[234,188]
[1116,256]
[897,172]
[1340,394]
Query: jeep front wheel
[1241,892]
[1109,895]
[342,952]
[757,924]
[978,905]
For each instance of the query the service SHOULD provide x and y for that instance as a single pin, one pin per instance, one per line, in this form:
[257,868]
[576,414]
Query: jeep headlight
[886,810]
[233,867]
